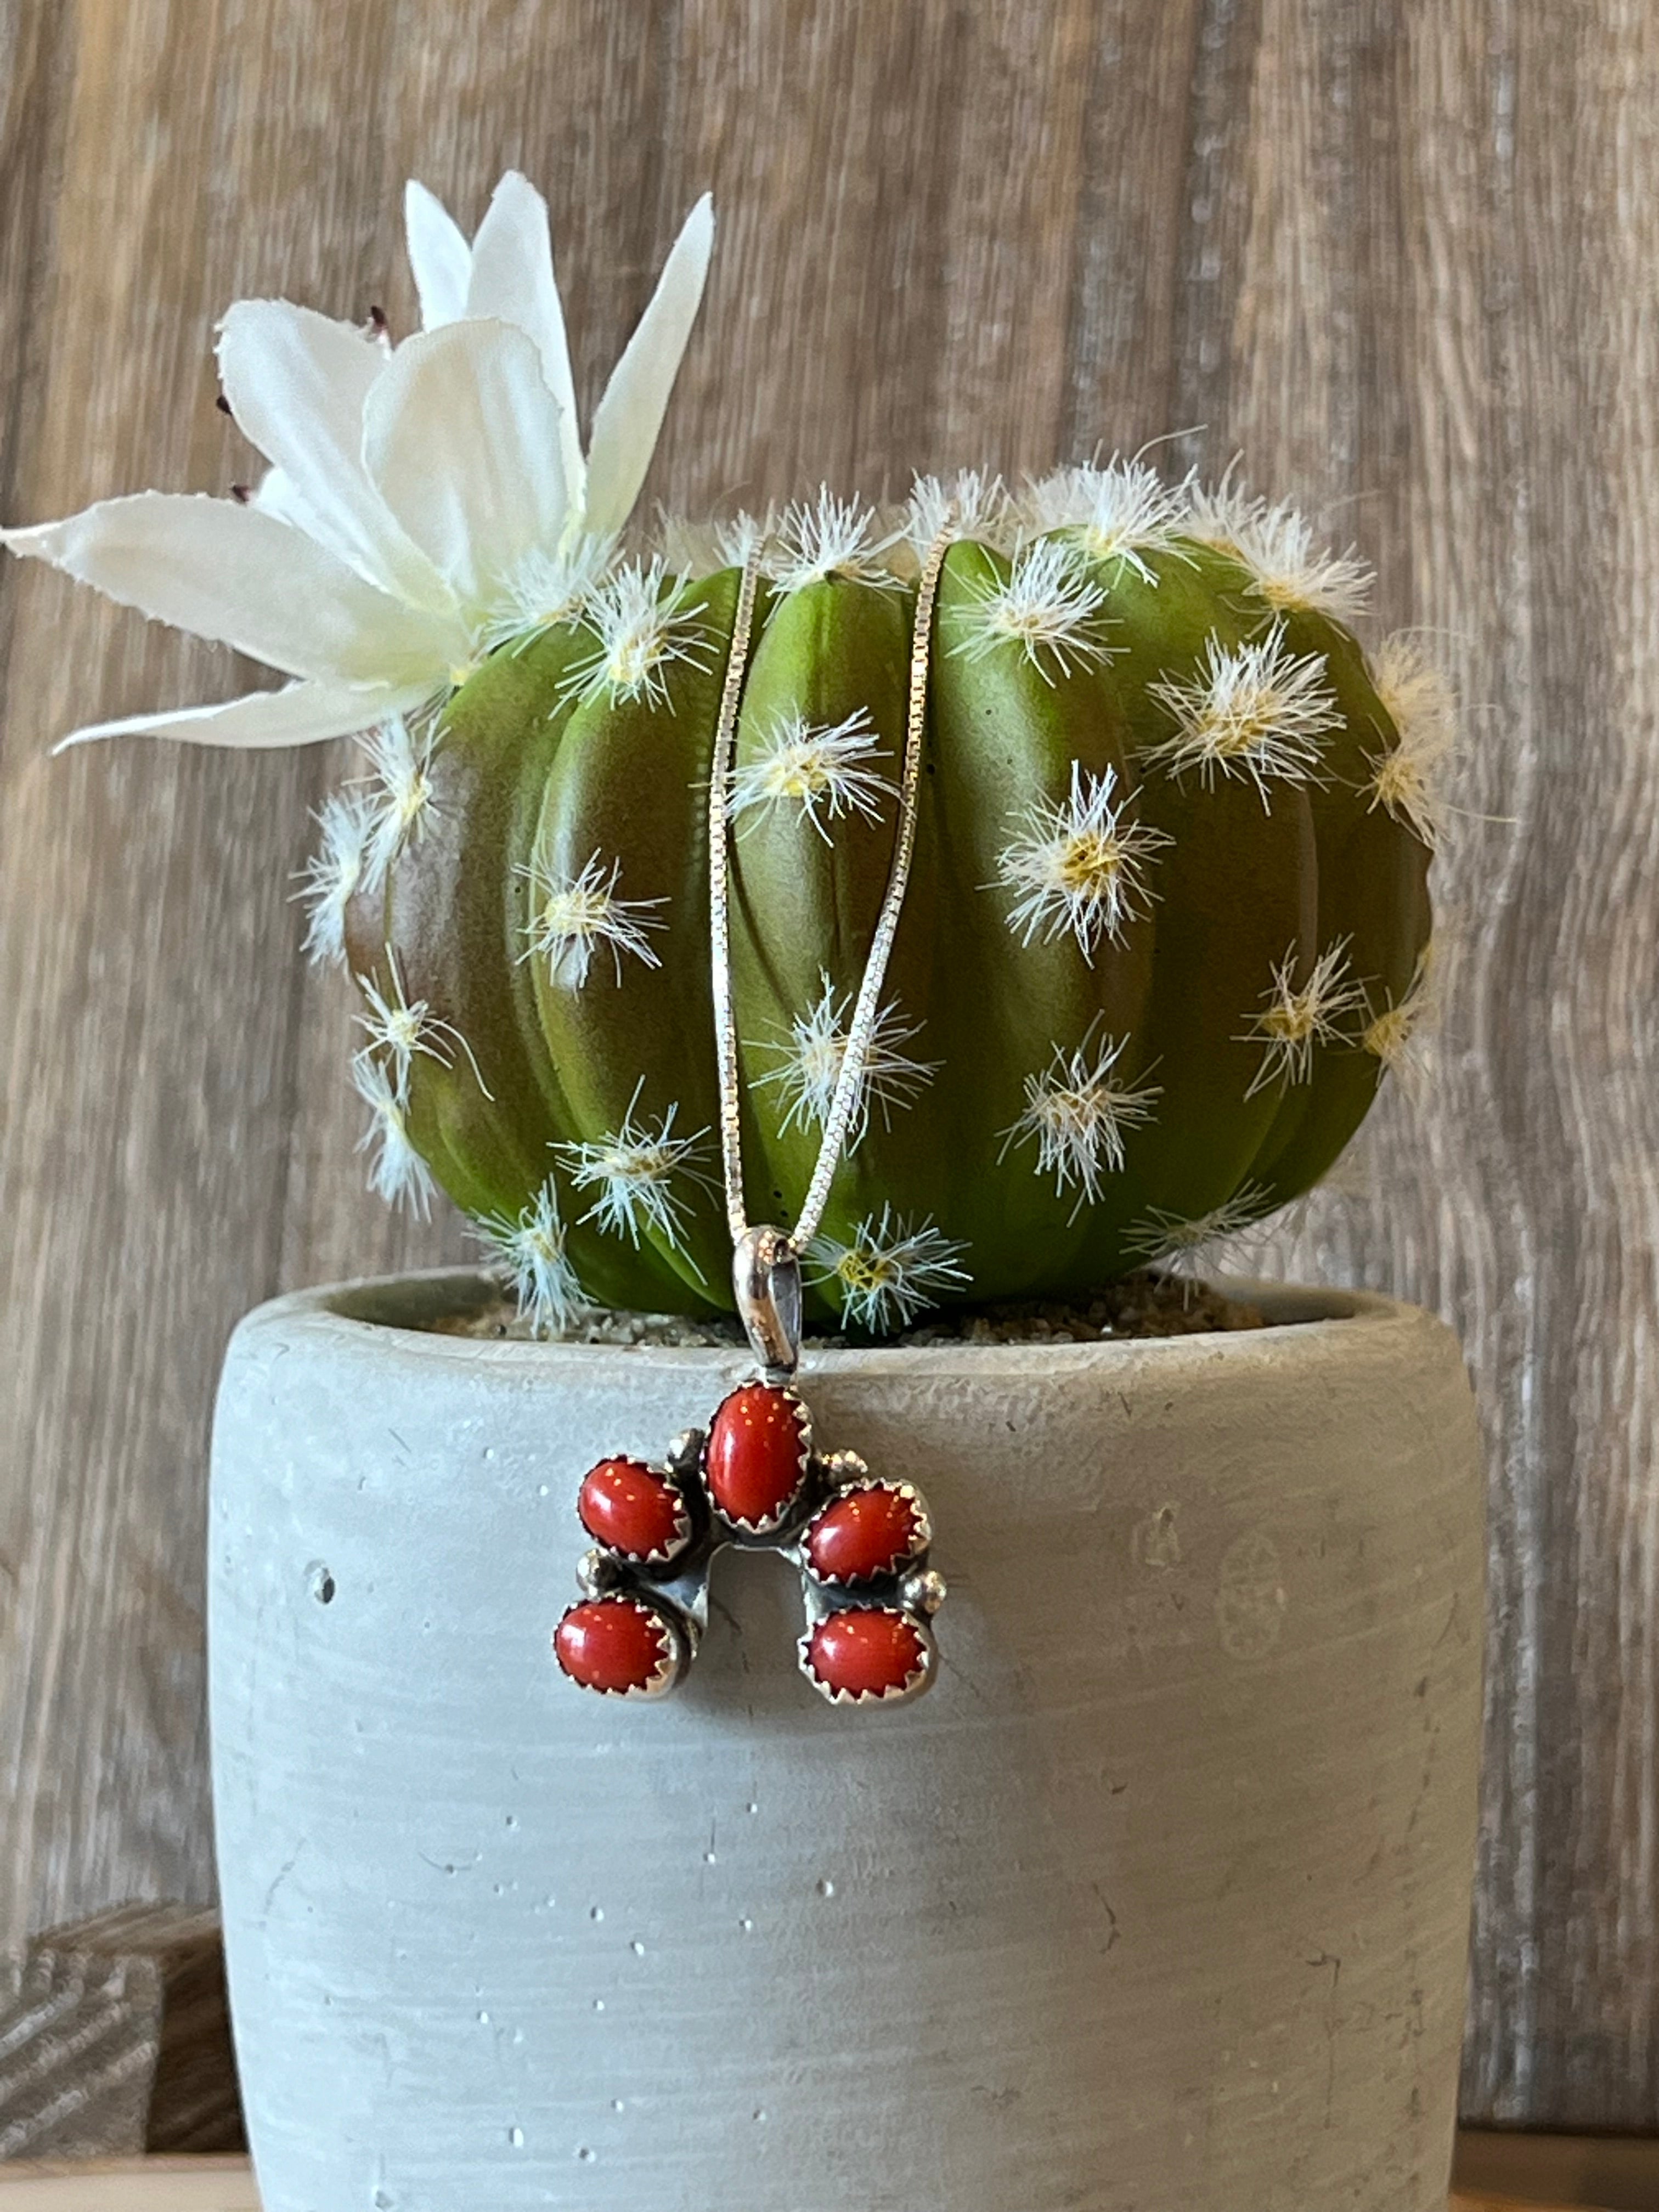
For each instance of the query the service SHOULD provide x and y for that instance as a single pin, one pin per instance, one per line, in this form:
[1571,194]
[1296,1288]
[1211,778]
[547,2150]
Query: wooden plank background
[1402,253]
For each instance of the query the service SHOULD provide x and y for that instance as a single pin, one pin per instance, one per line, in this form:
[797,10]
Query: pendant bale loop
[766,1283]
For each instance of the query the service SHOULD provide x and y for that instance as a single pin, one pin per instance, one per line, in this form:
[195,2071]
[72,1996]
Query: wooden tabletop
[149,2185]
[217,2185]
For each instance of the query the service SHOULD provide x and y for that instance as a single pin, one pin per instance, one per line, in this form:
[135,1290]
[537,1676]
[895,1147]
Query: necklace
[754,1478]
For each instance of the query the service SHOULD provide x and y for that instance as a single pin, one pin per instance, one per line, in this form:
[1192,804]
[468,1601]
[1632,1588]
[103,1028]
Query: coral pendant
[760,1443]
[859,1542]
[619,1646]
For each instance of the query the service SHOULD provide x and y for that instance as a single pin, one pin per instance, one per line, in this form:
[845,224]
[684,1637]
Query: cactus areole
[1167,922]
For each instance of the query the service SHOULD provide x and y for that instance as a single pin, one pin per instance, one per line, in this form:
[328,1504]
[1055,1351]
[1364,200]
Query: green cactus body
[1133,986]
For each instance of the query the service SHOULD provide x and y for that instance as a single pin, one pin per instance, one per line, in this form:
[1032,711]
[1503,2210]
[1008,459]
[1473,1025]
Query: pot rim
[392,1311]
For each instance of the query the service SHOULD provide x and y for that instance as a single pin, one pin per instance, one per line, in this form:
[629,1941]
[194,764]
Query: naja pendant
[754,1479]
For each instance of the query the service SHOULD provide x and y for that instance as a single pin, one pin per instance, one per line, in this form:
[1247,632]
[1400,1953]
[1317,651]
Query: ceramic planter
[1159,1900]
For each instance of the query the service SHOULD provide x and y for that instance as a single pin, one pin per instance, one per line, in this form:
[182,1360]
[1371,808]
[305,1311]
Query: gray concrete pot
[1157,1903]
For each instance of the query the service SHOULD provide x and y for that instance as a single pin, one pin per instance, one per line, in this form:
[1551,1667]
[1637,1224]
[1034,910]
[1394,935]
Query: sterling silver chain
[766,1261]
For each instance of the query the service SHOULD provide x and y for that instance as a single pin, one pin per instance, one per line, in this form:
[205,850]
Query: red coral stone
[755,1455]
[864,1533]
[633,1510]
[872,1652]
[615,1643]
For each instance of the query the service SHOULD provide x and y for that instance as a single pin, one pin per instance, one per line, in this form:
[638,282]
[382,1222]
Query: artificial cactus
[1166,926]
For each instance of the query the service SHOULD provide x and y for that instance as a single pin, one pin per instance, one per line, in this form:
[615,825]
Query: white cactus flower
[889,1270]
[414,493]
[530,1250]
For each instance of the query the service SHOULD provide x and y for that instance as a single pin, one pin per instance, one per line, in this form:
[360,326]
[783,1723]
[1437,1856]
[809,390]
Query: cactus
[1167,926]
[1166,930]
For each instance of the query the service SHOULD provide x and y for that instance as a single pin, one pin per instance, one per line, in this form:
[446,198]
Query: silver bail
[766,1282]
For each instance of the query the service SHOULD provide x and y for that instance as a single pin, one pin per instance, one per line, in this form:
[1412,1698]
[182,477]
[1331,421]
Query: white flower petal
[297,714]
[438,254]
[239,576]
[513,281]
[277,495]
[296,383]
[461,435]
[630,416]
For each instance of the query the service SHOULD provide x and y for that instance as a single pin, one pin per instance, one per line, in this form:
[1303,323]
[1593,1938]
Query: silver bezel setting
[662,1557]
[901,1564]
[672,1663]
[920,1678]
[790,1508]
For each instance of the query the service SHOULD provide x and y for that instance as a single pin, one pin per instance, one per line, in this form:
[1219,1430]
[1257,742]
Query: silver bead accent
[597,1573]
[923,1592]
[845,1467]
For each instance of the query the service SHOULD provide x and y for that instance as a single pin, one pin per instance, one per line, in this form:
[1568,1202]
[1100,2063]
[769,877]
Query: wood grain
[117,2040]
[1398,251]
[151,2184]
[220,2185]
[1619,2174]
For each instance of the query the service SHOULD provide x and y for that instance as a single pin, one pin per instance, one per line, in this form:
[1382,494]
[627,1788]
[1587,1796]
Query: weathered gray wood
[115,2040]
[1508,331]
[1400,250]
